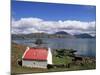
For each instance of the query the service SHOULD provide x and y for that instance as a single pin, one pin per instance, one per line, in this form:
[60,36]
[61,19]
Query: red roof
[36,54]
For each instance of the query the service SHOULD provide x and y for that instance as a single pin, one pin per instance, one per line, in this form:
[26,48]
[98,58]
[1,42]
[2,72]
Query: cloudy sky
[31,17]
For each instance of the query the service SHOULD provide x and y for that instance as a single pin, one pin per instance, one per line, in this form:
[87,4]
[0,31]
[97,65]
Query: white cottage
[37,57]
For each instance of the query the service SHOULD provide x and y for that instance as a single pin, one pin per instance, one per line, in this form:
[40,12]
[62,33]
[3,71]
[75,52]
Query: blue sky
[33,17]
[52,11]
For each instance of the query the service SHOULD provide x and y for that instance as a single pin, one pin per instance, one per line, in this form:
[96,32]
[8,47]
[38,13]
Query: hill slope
[83,36]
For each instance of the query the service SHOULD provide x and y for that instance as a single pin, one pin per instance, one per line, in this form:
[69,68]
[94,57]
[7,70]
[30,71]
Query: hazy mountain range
[60,34]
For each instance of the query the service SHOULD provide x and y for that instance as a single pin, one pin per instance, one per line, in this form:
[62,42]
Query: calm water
[86,47]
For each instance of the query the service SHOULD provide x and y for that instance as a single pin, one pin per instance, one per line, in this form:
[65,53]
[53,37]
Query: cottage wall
[33,63]
[49,57]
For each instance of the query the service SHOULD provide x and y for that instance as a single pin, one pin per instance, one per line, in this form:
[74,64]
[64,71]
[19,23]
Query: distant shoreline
[60,34]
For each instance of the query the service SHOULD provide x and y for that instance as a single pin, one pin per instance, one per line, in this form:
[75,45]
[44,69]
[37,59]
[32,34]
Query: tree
[38,42]
[65,52]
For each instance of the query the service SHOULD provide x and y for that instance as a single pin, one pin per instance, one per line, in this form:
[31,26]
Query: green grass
[63,60]
[18,50]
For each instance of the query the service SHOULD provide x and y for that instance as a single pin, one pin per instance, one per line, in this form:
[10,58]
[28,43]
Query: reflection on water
[85,47]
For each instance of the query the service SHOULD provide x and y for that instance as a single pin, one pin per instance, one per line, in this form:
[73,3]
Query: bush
[49,66]
[19,62]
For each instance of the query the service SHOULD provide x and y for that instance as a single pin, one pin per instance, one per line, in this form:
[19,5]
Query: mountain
[37,35]
[62,33]
[31,35]
[85,35]
[18,36]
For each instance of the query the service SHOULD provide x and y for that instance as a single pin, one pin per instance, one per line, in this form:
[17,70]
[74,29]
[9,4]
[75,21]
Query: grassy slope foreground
[18,50]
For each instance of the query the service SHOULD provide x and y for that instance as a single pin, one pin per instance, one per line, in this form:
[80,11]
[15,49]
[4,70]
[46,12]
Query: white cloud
[32,25]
